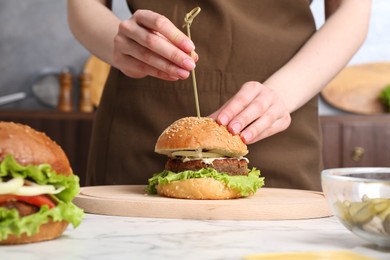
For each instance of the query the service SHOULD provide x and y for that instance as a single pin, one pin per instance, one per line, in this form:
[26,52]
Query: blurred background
[35,40]
[37,49]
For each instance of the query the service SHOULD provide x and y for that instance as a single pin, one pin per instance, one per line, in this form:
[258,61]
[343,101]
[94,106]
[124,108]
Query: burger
[205,161]
[36,187]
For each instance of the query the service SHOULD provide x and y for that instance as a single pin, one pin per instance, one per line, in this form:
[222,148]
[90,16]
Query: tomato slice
[38,200]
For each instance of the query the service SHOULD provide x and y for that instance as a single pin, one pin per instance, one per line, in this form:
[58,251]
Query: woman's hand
[255,113]
[148,44]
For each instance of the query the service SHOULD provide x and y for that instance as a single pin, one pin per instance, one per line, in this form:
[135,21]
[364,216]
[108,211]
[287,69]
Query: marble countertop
[109,237]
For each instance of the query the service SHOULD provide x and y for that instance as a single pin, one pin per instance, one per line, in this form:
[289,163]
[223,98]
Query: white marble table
[107,237]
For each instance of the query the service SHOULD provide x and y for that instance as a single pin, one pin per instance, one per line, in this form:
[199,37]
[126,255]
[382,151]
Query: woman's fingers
[270,123]
[165,27]
[130,48]
[255,113]
[138,69]
[248,104]
[159,46]
[241,109]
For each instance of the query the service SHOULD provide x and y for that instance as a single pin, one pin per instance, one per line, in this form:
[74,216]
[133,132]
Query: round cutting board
[266,204]
[357,88]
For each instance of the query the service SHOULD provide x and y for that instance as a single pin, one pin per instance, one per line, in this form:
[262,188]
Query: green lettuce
[244,184]
[42,174]
[385,97]
[12,223]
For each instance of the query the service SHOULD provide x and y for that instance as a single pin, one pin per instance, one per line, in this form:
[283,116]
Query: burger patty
[229,166]
[24,209]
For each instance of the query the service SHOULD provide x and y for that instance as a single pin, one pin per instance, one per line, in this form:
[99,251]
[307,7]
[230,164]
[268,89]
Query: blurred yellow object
[321,255]
[98,71]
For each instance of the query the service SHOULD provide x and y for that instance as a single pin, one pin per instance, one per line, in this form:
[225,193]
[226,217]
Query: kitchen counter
[109,237]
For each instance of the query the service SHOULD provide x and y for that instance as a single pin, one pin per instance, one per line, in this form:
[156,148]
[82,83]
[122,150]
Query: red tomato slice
[38,200]
[4,198]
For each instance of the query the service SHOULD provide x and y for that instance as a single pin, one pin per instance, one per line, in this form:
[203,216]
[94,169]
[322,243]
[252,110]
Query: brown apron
[237,41]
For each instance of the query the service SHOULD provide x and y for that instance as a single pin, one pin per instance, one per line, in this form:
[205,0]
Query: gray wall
[35,38]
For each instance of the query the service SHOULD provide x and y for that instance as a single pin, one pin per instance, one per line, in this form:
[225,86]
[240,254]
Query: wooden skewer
[187,23]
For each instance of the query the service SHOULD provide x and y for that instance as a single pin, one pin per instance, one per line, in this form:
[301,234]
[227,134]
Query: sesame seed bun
[200,133]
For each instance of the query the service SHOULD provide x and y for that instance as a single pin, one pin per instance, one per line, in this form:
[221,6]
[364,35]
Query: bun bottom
[198,189]
[48,231]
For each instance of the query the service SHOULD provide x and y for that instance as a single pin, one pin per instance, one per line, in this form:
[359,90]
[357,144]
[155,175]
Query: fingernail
[189,64]
[183,74]
[236,127]
[247,136]
[195,56]
[173,77]
[223,120]
[189,46]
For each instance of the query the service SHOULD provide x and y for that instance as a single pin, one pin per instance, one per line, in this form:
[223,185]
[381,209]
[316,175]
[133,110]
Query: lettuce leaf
[12,223]
[244,184]
[385,97]
[42,174]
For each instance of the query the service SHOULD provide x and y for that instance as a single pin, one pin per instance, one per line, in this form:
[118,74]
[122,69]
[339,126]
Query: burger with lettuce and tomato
[37,186]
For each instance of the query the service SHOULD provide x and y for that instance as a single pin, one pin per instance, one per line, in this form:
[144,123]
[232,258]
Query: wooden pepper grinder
[85,103]
[65,102]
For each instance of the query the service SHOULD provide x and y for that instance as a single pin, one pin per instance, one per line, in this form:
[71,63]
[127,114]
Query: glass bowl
[360,198]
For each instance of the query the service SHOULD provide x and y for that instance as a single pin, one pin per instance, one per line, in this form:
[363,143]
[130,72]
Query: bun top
[200,134]
[29,146]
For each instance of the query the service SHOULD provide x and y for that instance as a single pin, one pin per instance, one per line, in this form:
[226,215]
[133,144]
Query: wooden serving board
[357,88]
[266,204]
